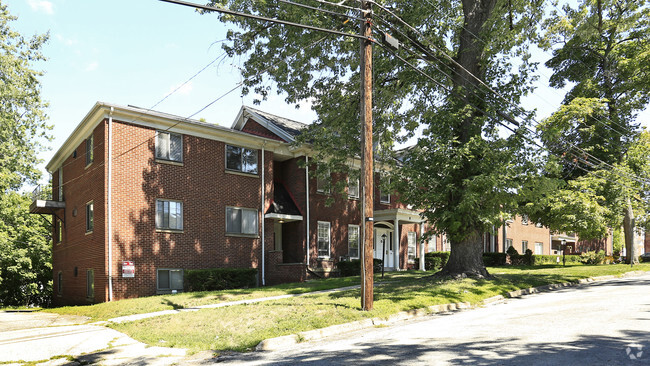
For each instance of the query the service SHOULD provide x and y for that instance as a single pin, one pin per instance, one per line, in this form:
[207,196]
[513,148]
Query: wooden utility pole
[367,175]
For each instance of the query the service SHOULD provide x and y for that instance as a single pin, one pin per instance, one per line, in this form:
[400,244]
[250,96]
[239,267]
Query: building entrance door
[384,242]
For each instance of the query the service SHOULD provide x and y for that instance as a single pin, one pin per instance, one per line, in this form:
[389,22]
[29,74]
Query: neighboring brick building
[522,234]
[139,196]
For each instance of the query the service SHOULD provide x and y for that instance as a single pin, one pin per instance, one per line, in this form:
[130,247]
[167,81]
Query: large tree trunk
[628,227]
[466,258]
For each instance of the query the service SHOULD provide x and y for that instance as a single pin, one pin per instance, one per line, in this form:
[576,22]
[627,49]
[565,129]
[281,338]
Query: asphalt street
[600,323]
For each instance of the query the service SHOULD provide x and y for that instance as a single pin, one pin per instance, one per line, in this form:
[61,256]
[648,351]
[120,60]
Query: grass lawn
[244,326]
[150,304]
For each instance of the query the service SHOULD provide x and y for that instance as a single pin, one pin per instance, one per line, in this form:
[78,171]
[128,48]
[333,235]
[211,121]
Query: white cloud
[66,41]
[183,89]
[41,5]
[92,66]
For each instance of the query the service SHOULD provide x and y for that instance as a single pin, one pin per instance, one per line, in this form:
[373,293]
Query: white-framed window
[353,184]
[169,279]
[433,243]
[524,246]
[90,147]
[411,239]
[508,245]
[353,241]
[90,283]
[169,146]
[169,215]
[524,219]
[240,159]
[323,182]
[59,283]
[384,195]
[59,231]
[323,239]
[241,221]
[61,184]
[90,217]
[539,248]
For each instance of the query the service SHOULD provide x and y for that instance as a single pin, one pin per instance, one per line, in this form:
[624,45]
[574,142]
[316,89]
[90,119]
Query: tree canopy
[25,252]
[473,153]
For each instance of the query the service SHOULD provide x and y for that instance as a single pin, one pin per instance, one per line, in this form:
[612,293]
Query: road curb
[277,343]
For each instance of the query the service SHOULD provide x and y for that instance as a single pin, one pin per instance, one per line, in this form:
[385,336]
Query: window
[353,185]
[539,248]
[384,196]
[322,183]
[241,221]
[241,160]
[508,244]
[59,283]
[170,280]
[524,219]
[90,217]
[61,184]
[89,150]
[90,283]
[169,146]
[169,215]
[524,246]
[323,239]
[353,241]
[433,243]
[59,232]
[411,246]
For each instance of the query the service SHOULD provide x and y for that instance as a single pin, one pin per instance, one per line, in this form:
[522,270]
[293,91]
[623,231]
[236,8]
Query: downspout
[109,213]
[422,247]
[263,207]
[307,196]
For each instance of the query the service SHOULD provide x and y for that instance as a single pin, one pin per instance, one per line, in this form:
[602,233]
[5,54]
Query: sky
[130,52]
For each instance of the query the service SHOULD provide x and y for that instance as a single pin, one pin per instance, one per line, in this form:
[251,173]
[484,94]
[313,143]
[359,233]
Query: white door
[384,242]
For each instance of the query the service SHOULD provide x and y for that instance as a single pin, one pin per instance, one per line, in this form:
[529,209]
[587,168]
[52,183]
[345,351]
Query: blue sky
[135,52]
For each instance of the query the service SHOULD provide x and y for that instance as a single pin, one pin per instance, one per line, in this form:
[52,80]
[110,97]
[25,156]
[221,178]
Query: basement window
[169,280]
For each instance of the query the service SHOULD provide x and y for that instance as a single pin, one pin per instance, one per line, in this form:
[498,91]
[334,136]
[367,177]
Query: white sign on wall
[128,269]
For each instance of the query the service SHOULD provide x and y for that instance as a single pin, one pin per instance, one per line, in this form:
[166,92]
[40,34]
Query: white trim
[261,171]
[329,239]
[286,218]
[109,202]
[245,113]
[307,242]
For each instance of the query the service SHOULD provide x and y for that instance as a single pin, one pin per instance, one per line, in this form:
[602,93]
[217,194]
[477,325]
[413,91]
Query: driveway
[600,323]
[39,336]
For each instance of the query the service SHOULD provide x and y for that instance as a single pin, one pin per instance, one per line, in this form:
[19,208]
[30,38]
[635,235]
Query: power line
[503,115]
[270,20]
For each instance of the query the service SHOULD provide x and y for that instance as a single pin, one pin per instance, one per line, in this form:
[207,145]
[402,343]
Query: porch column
[396,245]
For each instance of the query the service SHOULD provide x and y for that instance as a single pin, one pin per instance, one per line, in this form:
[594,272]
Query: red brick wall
[205,188]
[78,249]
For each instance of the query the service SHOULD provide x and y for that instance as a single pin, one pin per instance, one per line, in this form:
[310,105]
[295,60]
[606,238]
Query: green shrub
[512,251]
[644,259]
[552,259]
[494,259]
[353,267]
[593,257]
[215,279]
[434,261]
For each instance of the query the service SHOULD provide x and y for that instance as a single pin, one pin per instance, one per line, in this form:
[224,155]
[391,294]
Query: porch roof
[401,214]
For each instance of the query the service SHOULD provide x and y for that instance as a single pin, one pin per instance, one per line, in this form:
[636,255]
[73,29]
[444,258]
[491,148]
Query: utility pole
[367,290]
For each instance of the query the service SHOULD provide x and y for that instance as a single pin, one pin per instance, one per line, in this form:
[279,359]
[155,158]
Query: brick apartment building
[522,234]
[138,196]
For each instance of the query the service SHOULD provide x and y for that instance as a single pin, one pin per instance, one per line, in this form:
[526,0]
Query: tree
[463,51]
[25,254]
[25,265]
[604,50]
